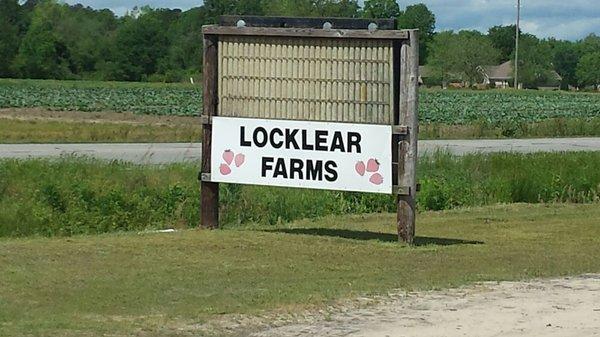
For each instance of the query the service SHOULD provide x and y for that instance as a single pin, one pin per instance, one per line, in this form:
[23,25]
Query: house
[552,82]
[499,76]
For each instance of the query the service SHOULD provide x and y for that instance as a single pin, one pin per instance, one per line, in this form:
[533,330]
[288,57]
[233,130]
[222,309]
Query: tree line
[458,56]
[45,39]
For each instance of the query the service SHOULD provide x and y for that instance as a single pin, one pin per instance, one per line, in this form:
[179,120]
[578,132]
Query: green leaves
[498,108]
[588,69]
[457,107]
[91,96]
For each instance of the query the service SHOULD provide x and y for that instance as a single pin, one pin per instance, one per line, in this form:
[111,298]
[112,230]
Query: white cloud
[565,19]
[572,19]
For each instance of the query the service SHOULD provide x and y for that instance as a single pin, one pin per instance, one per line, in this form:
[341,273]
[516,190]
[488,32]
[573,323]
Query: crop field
[451,107]
[140,98]
[505,106]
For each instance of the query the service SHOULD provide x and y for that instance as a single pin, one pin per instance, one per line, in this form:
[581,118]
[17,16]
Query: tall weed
[85,196]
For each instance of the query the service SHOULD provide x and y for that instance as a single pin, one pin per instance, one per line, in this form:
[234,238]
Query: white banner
[332,156]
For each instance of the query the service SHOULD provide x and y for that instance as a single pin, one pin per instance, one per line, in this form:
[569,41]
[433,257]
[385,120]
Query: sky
[563,19]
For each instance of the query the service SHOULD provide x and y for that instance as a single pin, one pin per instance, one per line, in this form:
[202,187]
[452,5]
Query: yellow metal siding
[308,79]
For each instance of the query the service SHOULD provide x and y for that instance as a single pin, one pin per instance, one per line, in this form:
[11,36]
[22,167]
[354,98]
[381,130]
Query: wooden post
[209,191]
[407,147]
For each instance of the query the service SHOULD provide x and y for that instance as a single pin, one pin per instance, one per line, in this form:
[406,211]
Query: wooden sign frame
[404,122]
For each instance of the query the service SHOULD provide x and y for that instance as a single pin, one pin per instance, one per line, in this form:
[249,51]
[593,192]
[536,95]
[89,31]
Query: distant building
[553,82]
[499,76]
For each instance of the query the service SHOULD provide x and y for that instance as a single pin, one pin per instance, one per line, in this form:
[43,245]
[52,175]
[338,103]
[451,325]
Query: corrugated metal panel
[308,79]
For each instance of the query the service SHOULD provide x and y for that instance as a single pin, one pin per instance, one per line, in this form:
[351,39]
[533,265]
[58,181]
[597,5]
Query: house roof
[556,76]
[500,72]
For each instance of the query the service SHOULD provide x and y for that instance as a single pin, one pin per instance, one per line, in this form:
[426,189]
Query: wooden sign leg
[209,191]
[406,218]
[406,204]
[407,148]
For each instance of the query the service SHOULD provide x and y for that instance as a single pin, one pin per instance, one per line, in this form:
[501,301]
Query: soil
[38,114]
[553,307]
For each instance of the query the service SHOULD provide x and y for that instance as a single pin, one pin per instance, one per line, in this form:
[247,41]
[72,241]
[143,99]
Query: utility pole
[517,45]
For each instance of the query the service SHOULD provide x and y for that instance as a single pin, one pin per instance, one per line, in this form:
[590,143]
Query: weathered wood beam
[209,191]
[307,32]
[298,22]
[407,146]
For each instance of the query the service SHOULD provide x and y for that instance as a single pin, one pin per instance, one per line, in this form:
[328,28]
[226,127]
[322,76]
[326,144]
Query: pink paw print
[231,158]
[372,167]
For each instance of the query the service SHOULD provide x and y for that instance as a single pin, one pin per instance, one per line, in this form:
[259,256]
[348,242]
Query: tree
[535,61]
[588,69]
[185,52]
[590,44]
[459,56]
[420,17]
[87,35]
[337,8]
[10,13]
[139,45]
[289,8]
[42,54]
[503,39]
[441,59]
[216,8]
[474,50]
[381,9]
[565,59]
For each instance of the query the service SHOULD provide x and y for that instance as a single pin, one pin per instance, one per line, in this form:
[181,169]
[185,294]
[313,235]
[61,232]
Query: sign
[320,155]
[321,103]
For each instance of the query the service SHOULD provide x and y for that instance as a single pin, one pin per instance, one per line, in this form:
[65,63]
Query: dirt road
[558,307]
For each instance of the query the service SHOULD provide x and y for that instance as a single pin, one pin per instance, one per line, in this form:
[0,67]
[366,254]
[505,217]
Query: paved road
[181,152]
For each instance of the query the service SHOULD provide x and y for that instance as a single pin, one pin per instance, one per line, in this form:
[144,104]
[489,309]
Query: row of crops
[142,98]
[501,106]
[491,107]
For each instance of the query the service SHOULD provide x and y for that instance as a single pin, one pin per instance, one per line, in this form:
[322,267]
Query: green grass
[41,131]
[83,196]
[552,127]
[167,284]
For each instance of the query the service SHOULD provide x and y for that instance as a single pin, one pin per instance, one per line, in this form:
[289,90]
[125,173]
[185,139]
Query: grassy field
[169,284]
[83,196]
[15,130]
[443,114]
[551,127]
[52,131]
